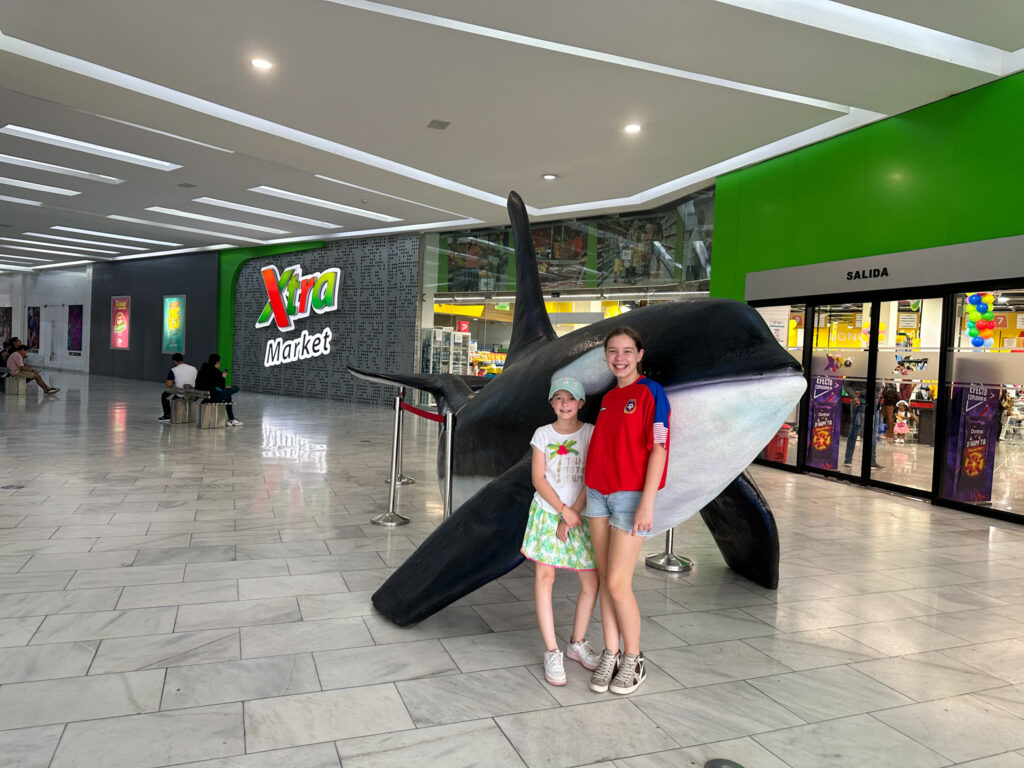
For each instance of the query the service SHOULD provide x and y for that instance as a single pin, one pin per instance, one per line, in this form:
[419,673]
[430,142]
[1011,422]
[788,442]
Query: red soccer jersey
[632,419]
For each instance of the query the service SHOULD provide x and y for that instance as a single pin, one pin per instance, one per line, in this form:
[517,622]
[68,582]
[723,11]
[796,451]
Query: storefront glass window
[985,431]
[786,323]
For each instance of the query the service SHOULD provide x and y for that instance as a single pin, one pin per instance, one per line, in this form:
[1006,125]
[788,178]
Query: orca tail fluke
[477,544]
[450,392]
[743,527]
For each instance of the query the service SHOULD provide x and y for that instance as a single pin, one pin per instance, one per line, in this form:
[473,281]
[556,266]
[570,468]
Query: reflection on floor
[171,596]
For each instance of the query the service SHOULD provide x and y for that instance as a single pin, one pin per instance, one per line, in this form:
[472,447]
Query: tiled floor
[171,596]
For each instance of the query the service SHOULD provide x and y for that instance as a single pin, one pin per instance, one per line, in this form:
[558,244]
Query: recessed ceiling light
[50,168]
[146,222]
[84,146]
[549,177]
[72,247]
[633,128]
[261,64]
[37,187]
[295,197]
[116,237]
[265,212]
[87,242]
[19,200]
[215,220]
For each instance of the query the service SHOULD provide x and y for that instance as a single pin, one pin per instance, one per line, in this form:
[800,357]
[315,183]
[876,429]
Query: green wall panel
[948,172]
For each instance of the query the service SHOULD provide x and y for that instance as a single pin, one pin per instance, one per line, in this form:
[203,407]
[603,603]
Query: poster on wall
[174,325]
[75,313]
[6,323]
[971,449]
[823,436]
[32,326]
[120,321]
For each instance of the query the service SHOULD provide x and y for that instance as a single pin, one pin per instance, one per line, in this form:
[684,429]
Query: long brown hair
[625,330]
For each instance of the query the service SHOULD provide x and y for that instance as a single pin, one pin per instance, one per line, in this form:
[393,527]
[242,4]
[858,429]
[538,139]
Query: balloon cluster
[981,321]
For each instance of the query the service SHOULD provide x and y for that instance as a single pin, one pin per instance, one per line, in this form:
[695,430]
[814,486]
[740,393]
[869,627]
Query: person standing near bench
[16,367]
[211,379]
[181,374]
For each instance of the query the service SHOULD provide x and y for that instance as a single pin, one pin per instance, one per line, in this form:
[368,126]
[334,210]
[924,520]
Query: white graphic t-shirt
[564,459]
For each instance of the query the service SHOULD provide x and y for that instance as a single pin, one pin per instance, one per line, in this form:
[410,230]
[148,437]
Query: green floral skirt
[542,545]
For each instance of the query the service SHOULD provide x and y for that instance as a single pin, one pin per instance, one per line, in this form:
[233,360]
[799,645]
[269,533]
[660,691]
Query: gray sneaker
[606,669]
[632,672]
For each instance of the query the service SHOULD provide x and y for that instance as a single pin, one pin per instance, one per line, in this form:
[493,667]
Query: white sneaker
[554,668]
[164,419]
[582,652]
[234,423]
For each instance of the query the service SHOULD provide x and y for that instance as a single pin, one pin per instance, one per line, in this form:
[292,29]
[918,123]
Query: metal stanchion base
[389,519]
[402,480]
[666,561]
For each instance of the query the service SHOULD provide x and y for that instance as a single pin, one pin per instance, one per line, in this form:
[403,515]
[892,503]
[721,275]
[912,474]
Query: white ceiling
[529,87]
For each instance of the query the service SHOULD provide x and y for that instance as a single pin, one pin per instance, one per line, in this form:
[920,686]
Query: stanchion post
[391,518]
[449,458]
[403,479]
[668,560]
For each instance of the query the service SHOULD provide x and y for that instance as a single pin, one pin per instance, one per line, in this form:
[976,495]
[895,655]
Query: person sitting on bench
[181,374]
[16,367]
[211,379]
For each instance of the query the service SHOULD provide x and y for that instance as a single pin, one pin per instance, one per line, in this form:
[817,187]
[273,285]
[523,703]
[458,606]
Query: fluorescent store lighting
[42,250]
[265,212]
[168,135]
[215,220]
[72,247]
[64,171]
[15,267]
[297,198]
[84,146]
[64,264]
[21,258]
[147,223]
[19,200]
[37,187]
[88,242]
[384,194]
[218,247]
[116,237]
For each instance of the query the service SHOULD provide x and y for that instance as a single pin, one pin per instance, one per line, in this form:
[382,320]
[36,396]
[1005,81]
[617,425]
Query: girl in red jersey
[626,466]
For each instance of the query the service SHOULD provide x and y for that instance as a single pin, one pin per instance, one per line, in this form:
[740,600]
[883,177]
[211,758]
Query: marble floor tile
[335,606]
[68,627]
[34,582]
[588,733]
[479,742]
[577,687]
[44,662]
[250,569]
[353,667]
[1003,659]
[323,755]
[303,637]
[829,693]
[237,613]
[980,626]
[450,622]
[227,681]
[280,586]
[901,636]
[130,654]
[18,631]
[515,648]
[178,594]
[152,740]
[30,747]
[959,728]
[123,577]
[927,676]
[745,751]
[710,663]
[815,648]
[308,718]
[713,626]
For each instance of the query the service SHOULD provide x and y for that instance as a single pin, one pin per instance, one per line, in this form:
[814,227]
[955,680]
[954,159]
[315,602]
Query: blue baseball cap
[570,385]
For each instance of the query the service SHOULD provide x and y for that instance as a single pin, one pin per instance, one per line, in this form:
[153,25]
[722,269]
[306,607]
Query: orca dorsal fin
[531,325]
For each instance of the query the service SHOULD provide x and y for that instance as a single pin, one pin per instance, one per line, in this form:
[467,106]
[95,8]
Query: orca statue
[730,385]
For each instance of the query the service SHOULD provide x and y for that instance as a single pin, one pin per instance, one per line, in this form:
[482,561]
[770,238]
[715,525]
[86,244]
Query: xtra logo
[290,296]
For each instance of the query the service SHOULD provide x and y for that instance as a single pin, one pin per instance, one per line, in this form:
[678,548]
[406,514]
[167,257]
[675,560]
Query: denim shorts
[620,507]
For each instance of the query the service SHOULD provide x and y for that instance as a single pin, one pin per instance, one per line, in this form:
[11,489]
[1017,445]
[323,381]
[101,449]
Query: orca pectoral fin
[477,544]
[451,392]
[743,527]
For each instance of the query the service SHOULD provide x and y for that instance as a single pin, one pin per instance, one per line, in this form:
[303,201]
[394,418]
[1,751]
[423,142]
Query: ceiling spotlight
[549,177]
[262,64]
[633,128]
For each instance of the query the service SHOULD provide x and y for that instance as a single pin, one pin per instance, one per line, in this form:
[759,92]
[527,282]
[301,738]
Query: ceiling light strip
[457,224]
[147,223]
[265,212]
[37,187]
[84,146]
[583,53]
[165,133]
[307,200]
[22,258]
[175,252]
[116,237]
[63,264]
[42,250]
[16,267]
[385,194]
[80,240]
[72,247]
[169,95]
[215,220]
[18,200]
[64,171]
[877,28]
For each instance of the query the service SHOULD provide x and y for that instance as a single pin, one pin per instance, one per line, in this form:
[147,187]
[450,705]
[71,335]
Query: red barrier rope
[425,414]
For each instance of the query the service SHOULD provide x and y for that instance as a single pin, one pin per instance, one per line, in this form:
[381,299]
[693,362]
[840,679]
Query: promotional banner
[6,322]
[75,314]
[823,436]
[174,325]
[971,448]
[32,334]
[120,321]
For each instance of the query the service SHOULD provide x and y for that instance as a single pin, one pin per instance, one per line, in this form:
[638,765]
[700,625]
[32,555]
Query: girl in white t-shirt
[557,534]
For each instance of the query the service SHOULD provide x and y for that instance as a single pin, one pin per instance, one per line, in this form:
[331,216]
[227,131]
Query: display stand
[668,560]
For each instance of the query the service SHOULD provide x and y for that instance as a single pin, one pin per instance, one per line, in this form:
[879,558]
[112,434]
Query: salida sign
[290,297]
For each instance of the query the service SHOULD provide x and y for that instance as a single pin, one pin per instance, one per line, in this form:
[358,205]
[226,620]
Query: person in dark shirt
[211,379]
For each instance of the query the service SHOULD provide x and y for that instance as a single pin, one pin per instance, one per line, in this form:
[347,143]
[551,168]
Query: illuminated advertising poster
[823,435]
[292,296]
[174,325]
[120,321]
[971,449]
[75,317]
[32,332]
